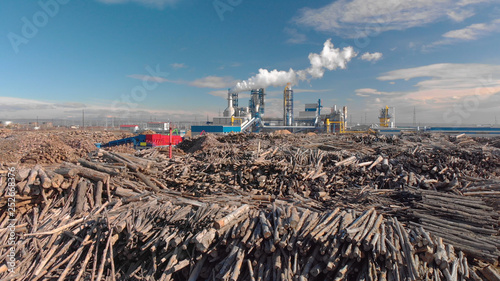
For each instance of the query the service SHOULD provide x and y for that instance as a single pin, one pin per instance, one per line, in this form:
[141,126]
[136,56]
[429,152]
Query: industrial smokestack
[229,111]
[329,58]
[288,105]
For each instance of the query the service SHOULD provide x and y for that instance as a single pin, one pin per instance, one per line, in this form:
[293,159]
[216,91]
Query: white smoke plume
[329,59]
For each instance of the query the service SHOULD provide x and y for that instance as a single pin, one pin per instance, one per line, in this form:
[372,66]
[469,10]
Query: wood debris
[263,207]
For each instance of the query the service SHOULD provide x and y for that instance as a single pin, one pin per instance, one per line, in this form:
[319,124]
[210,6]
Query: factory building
[157,126]
[130,128]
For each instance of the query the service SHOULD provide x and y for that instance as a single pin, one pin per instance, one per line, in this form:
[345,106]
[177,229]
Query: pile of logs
[158,240]
[52,146]
[262,207]
[465,222]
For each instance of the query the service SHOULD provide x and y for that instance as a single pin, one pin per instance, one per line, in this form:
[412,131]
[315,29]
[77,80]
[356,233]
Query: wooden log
[98,167]
[451,224]
[364,229]
[195,273]
[294,218]
[45,180]
[490,273]
[118,159]
[204,239]
[377,161]
[237,267]
[266,227]
[346,161]
[81,197]
[250,270]
[98,194]
[232,216]
[148,182]
[56,179]
[67,172]
[22,174]
[367,238]
[407,249]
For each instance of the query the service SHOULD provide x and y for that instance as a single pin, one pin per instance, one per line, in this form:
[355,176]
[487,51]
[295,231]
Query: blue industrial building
[198,130]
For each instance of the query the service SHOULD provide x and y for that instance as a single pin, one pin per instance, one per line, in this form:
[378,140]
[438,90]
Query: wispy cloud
[373,57]
[460,15]
[361,18]
[367,92]
[160,4]
[299,91]
[178,65]
[214,82]
[295,36]
[234,64]
[474,31]
[219,93]
[469,33]
[149,78]
[443,85]
[19,108]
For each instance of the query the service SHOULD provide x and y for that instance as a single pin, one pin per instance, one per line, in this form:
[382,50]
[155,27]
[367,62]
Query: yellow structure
[385,117]
[341,126]
[236,118]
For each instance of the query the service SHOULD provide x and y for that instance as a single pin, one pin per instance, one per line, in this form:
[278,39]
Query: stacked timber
[270,207]
[158,240]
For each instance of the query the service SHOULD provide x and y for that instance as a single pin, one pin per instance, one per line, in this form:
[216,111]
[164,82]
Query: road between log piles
[263,207]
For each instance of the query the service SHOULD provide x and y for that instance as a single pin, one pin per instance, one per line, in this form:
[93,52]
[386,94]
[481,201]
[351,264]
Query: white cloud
[298,91]
[160,4]
[178,65]
[469,33]
[371,56]
[367,92]
[219,93]
[19,108]
[295,36]
[474,31]
[449,93]
[215,82]
[11,104]
[446,75]
[361,18]
[460,15]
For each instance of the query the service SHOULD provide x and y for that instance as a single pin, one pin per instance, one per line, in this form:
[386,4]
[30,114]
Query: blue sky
[175,59]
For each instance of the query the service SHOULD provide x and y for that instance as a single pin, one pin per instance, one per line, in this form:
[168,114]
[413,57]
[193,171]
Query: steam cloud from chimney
[329,58]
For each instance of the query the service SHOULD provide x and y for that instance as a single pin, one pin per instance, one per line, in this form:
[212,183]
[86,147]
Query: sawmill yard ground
[52,146]
[273,206]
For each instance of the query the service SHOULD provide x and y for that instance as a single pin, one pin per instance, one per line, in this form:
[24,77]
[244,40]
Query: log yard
[231,140]
[254,206]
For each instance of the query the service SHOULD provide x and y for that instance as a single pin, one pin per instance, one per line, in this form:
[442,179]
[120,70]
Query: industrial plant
[252,118]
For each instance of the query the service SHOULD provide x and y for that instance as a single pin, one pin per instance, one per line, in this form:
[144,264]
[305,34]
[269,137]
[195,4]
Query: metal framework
[288,105]
[385,117]
[235,99]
